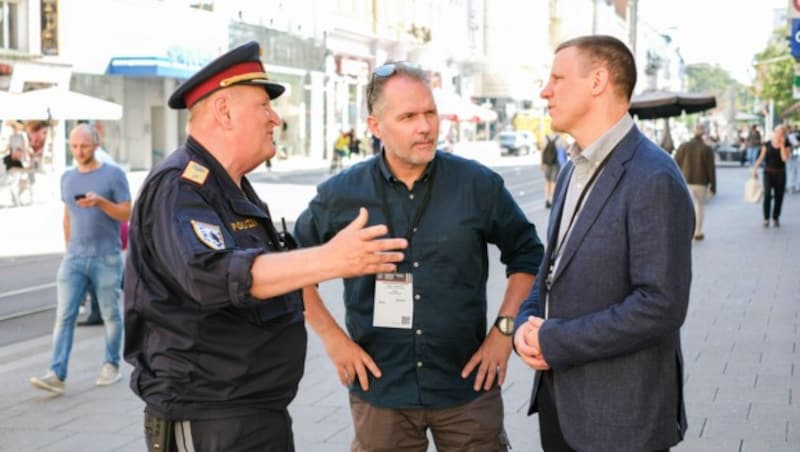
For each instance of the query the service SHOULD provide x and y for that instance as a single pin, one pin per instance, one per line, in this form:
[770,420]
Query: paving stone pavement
[740,347]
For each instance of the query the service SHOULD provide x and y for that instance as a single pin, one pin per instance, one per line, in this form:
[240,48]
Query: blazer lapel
[593,204]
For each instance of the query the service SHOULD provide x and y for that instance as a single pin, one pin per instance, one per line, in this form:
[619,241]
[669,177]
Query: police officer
[213,316]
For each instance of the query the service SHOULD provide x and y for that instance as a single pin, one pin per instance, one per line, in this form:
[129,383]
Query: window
[8,24]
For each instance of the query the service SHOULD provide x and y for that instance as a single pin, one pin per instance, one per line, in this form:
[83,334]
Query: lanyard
[578,204]
[387,212]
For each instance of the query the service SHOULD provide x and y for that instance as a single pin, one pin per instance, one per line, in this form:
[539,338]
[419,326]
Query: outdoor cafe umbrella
[667,104]
[57,103]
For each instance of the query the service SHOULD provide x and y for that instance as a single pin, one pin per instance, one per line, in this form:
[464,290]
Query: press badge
[394,300]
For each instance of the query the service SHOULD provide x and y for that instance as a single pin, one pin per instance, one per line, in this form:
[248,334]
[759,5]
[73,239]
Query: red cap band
[214,83]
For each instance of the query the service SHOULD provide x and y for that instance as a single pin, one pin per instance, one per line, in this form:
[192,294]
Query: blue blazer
[617,302]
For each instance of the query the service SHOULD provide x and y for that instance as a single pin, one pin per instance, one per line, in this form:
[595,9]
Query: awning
[150,67]
[57,103]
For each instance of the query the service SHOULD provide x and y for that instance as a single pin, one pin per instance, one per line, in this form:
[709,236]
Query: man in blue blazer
[601,325]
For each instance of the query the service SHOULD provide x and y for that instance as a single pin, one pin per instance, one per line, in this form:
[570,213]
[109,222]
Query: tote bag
[753,190]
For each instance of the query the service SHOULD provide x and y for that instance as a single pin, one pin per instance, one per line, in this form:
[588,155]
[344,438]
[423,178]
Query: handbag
[753,190]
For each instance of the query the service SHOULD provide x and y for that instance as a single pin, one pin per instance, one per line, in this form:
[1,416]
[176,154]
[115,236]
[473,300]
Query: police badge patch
[209,234]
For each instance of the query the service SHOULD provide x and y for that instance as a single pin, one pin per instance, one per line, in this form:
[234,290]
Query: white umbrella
[57,103]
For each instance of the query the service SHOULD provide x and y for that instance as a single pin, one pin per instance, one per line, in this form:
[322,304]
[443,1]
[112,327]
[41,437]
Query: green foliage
[707,78]
[775,71]
[704,78]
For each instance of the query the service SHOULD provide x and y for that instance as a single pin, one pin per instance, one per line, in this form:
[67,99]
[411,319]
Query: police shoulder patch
[209,234]
[195,172]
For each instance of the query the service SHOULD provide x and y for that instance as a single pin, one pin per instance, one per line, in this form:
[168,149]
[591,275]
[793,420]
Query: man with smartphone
[96,200]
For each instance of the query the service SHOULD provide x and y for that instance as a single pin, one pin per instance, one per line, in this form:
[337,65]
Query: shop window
[9,24]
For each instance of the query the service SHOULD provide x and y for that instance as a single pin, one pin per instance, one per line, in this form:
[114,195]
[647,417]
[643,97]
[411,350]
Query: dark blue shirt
[469,207]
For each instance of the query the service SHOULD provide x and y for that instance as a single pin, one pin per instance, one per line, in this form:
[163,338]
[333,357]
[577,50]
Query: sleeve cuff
[240,277]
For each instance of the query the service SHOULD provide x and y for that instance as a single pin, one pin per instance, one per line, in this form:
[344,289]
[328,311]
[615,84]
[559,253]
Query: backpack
[549,156]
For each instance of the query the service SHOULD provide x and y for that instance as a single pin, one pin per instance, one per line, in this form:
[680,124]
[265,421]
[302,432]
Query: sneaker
[109,374]
[776,223]
[49,382]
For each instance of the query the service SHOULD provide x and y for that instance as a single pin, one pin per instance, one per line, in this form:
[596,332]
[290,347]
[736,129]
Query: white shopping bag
[753,190]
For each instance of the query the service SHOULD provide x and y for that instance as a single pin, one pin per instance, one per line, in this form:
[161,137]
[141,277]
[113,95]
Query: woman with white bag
[774,153]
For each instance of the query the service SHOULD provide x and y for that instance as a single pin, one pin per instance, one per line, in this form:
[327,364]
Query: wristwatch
[505,325]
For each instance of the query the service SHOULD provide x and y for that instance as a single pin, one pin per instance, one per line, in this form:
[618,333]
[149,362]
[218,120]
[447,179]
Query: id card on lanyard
[394,300]
[394,292]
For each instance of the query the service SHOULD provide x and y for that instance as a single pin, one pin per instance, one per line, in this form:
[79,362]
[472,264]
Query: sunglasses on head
[388,69]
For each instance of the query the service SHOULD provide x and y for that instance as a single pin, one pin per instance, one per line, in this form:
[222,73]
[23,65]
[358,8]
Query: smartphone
[80,196]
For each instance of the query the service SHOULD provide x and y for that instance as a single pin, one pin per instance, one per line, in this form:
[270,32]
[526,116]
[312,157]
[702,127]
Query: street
[740,344]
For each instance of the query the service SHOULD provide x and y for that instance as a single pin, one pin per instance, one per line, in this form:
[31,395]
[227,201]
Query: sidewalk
[741,350]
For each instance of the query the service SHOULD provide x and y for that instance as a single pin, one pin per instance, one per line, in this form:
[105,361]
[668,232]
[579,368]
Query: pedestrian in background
[94,318]
[793,164]
[696,161]
[96,200]
[213,315]
[601,327]
[418,357]
[341,147]
[550,167]
[774,154]
[754,143]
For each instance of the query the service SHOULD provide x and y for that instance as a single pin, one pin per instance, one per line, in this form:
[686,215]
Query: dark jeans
[773,181]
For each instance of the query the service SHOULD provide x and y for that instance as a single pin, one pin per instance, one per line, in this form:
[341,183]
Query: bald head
[82,143]
[85,131]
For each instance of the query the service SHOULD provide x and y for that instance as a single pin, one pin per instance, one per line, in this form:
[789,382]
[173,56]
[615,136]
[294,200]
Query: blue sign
[794,39]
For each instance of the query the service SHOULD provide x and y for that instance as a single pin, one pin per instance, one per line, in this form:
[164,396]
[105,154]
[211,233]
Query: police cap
[239,66]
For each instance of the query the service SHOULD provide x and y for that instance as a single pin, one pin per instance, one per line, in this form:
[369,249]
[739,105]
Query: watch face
[505,325]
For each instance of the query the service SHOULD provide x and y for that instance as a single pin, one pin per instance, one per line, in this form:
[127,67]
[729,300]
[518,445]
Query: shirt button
[419,332]
[417,297]
[411,196]
[416,264]
[419,363]
[414,230]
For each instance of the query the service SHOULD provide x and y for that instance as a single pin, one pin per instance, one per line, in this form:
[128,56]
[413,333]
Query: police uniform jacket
[201,346]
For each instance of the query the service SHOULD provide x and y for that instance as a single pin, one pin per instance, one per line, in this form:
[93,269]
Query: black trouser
[774,180]
[549,429]
[263,432]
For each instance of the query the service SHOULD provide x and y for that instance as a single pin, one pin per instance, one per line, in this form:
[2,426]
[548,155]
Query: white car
[519,142]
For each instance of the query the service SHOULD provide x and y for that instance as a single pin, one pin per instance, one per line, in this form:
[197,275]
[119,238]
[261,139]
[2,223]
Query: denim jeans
[75,274]
[752,154]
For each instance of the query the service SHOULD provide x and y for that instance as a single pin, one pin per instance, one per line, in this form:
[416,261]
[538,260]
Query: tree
[716,80]
[775,71]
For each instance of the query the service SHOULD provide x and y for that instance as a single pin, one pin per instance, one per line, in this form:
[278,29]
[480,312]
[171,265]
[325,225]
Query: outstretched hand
[357,250]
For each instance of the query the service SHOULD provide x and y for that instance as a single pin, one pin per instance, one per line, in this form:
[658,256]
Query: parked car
[519,142]
[730,153]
